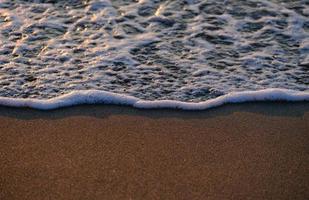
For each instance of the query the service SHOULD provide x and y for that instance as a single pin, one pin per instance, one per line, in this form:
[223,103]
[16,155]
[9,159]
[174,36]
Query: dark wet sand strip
[245,151]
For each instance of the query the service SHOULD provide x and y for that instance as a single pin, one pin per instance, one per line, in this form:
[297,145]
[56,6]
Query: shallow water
[186,50]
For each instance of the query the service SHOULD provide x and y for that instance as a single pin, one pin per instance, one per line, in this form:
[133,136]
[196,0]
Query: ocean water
[192,51]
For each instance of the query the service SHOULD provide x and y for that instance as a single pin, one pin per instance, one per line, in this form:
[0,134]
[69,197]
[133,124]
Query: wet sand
[244,151]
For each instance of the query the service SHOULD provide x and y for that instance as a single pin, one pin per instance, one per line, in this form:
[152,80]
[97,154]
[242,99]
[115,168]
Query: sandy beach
[243,151]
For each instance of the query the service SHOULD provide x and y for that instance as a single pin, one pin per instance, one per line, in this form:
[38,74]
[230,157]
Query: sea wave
[183,50]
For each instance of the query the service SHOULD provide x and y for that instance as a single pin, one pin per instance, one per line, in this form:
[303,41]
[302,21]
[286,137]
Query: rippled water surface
[188,50]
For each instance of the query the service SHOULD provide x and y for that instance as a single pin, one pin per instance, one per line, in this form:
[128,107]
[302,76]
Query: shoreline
[98,97]
[239,151]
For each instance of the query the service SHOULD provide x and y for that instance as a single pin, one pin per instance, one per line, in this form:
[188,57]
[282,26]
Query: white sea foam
[184,50]
[102,97]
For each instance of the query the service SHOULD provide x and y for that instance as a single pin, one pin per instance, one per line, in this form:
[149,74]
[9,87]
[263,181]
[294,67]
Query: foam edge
[103,97]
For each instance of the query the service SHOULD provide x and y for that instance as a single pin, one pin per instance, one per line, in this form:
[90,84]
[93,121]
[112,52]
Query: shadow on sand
[295,109]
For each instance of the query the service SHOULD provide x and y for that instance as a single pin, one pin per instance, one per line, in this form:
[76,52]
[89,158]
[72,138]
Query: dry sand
[246,151]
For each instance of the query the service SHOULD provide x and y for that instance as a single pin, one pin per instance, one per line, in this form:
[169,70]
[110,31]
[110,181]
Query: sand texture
[245,151]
